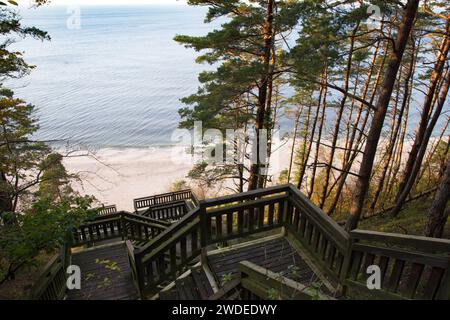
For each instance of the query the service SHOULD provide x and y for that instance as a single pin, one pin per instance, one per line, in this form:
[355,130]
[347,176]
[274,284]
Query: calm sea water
[116,81]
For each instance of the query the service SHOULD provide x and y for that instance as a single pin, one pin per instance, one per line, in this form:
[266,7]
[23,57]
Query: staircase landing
[273,254]
[105,274]
[276,255]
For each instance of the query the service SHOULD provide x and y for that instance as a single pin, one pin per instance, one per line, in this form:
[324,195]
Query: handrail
[132,261]
[122,224]
[244,196]
[147,202]
[425,244]
[412,267]
[167,234]
[51,283]
[157,223]
[169,211]
[325,220]
[105,210]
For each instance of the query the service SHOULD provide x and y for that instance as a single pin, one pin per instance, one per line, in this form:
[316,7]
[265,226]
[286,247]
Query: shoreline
[116,176]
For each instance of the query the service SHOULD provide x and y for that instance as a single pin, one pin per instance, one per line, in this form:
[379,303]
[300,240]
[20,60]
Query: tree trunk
[423,148]
[263,94]
[437,214]
[324,89]
[426,111]
[338,120]
[294,141]
[362,184]
[349,158]
[307,144]
[6,201]
[396,130]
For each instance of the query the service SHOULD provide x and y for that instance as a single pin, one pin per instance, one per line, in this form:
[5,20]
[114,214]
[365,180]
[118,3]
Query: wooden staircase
[412,267]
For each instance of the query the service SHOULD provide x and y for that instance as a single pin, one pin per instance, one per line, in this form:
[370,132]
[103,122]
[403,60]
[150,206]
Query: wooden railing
[147,202]
[411,267]
[122,224]
[222,223]
[334,252]
[180,244]
[168,212]
[214,221]
[106,210]
[132,262]
[51,284]
[319,234]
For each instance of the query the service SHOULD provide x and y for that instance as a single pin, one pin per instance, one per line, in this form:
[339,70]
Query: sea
[111,76]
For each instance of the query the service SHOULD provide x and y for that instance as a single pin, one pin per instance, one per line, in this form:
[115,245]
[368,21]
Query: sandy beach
[117,176]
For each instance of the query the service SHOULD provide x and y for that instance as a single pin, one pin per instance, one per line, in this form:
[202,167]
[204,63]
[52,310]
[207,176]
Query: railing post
[203,231]
[444,290]
[346,265]
[139,272]
[122,226]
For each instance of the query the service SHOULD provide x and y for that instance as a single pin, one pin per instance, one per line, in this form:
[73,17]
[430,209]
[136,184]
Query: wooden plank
[246,196]
[260,211]
[230,223]
[240,221]
[183,249]
[218,227]
[433,283]
[381,294]
[383,264]
[444,289]
[414,279]
[426,259]
[424,244]
[271,213]
[355,265]
[396,275]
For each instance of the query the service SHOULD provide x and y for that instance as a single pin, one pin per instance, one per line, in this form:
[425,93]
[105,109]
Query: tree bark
[396,129]
[6,203]
[263,94]
[319,135]
[437,214]
[294,141]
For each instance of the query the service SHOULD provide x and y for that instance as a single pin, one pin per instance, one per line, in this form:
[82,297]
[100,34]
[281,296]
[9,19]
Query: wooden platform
[105,274]
[276,255]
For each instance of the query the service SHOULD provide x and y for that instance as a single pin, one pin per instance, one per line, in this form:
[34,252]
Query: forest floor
[411,220]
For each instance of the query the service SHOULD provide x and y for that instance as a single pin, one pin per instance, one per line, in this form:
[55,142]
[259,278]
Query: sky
[106,2]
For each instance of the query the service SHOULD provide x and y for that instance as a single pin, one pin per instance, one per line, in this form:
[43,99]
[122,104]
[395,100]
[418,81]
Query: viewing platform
[265,244]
